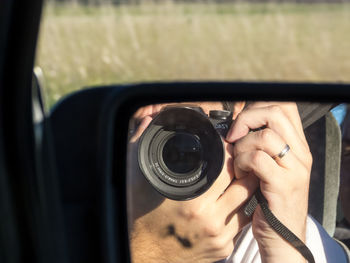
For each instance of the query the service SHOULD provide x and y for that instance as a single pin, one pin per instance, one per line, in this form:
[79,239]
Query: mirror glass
[193,167]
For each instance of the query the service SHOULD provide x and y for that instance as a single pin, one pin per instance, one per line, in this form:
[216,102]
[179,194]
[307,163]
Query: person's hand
[199,230]
[283,181]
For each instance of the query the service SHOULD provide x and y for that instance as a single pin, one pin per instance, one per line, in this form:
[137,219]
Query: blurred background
[94,42]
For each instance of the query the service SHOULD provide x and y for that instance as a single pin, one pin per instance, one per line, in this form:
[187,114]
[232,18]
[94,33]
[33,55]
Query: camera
[181,153]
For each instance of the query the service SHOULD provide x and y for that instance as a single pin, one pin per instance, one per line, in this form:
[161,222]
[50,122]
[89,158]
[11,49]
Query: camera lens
[182,153]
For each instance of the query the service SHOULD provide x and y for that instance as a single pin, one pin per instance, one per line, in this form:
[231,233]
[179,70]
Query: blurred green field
[83,46]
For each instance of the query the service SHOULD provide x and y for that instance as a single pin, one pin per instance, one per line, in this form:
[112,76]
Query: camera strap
[282,230]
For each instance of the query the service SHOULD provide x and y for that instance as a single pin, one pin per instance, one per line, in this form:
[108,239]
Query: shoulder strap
[310,112]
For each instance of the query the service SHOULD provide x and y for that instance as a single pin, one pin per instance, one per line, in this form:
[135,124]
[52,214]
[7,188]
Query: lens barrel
[181,153]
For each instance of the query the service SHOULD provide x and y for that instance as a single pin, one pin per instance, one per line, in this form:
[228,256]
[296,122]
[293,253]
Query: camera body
[181,153]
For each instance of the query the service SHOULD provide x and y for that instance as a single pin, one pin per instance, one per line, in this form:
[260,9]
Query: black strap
[281,229]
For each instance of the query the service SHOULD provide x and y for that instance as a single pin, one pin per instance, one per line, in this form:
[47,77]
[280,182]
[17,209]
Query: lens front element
[182,153]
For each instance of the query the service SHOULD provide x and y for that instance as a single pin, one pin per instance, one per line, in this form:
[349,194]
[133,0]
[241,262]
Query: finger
[237,221]
[138,117]
[271,175]
[290,109]
[141,128]
[230,232]
[258,163]
[143,112]
[273,118]
[222,182]
[149,110]
[236,194]
[265,140]
[224,242]
[225,231]
[255,118]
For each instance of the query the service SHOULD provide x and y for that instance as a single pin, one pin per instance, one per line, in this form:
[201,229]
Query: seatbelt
[282,230]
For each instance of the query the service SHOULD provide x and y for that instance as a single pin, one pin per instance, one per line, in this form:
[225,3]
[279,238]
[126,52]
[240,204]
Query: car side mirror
[99,131]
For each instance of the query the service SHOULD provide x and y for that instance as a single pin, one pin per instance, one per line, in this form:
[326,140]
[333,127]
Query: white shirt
[322,246]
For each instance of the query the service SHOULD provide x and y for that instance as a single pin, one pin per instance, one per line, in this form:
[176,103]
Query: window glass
[96,42]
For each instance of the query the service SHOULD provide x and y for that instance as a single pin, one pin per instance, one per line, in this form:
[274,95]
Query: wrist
[280,253]
[274,248]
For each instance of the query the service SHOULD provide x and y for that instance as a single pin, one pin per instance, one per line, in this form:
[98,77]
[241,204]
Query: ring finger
[265,140]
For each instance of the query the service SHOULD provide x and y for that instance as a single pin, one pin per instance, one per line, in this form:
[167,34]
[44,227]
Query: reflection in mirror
[196,172]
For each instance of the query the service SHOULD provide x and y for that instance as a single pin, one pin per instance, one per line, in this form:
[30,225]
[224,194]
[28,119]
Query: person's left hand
[283,181]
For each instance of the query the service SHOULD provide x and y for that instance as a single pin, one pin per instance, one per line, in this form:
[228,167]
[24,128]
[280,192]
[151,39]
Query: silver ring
[284,151]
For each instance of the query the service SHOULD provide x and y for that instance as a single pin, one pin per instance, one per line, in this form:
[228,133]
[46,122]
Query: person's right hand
[284,181]
[199,230]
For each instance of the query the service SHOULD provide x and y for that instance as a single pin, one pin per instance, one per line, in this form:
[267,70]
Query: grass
[83,46]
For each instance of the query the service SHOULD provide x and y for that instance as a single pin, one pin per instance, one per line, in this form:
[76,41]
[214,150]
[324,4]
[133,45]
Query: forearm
[279,250]
[323,247]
